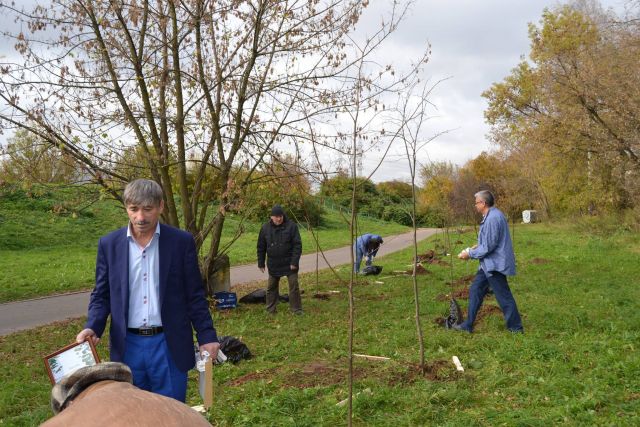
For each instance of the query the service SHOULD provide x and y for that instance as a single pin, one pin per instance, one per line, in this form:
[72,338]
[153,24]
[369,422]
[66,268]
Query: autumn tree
[574,102]
[433,199]
[395,191]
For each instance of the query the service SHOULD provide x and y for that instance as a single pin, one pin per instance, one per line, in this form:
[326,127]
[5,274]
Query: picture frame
[69,359]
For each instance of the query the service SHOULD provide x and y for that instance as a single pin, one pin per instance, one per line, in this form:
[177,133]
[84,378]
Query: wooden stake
[456,362]
[368,357]
[208,384]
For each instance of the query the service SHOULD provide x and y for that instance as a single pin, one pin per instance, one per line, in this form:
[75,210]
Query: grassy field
[50,235]
[576,364]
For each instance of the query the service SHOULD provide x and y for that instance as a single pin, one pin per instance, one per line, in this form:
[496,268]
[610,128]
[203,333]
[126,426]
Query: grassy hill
[50,234]
[576,364]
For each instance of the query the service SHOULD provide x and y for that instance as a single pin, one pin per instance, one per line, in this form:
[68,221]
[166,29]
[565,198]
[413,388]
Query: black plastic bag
[455,314]
[371,270]
[234,349]
[259,296]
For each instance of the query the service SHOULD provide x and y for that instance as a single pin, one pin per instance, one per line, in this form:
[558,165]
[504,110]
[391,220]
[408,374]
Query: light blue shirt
[495,250]
[144,282]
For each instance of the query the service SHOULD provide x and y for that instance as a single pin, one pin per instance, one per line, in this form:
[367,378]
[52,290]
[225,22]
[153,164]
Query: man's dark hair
[486,196]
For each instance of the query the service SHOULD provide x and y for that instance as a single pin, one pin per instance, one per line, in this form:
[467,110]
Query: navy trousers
[477,292]
[152,367]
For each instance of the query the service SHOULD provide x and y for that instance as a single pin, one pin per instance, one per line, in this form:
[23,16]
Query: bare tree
[413,116]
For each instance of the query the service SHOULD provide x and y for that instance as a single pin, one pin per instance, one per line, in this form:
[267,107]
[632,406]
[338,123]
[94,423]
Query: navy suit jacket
[183,304]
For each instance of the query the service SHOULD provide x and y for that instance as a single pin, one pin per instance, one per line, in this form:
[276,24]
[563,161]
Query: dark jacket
[281,245]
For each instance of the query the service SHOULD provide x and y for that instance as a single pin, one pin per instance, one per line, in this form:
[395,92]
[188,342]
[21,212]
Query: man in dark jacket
[279,241]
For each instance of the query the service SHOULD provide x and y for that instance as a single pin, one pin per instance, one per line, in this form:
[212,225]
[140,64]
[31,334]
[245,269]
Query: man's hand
[87,333]
[464,254]
[212,348]
[261,269]
[293,267]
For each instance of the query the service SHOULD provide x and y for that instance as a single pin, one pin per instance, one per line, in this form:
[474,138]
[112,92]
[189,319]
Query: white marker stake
[456,362]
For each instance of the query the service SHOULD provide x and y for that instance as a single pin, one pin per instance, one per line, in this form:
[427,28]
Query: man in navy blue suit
[148,280]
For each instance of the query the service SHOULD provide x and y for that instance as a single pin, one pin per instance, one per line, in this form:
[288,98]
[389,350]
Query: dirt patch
[488,310]
[325,373]
[251,376]
[320,373]
[485,311]
[427,256]
[461,293]
[420,270]
[431,257]
[458,294]
[439,370]
[539,261]
[464,280]
[436,370]
[325,296]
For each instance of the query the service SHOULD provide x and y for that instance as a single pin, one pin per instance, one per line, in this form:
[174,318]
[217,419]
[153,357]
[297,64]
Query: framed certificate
[69,359]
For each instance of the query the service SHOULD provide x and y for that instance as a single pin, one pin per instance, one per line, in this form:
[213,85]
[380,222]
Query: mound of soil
[461,293]
[420,270]
[436,370]
[439,262]
[325,373]
[431,257]
[427,256]
[320,373]
[485,311]
[458,294]
[464,280]
[488,310]
[251,376]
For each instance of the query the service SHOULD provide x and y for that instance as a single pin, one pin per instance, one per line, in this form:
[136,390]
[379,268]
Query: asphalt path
[21,315]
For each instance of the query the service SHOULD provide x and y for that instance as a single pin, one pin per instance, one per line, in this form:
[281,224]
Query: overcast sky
[474,44]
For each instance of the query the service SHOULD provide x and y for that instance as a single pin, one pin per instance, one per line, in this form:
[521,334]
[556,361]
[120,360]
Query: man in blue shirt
[497,261]
[366,245]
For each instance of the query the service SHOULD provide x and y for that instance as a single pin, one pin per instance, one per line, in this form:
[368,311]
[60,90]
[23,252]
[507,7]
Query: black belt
[146,331]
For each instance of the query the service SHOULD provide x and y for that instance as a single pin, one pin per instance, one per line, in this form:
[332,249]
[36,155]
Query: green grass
[576,364]
[50,234]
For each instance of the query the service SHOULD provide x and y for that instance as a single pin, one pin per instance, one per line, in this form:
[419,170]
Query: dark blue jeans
[500,287]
